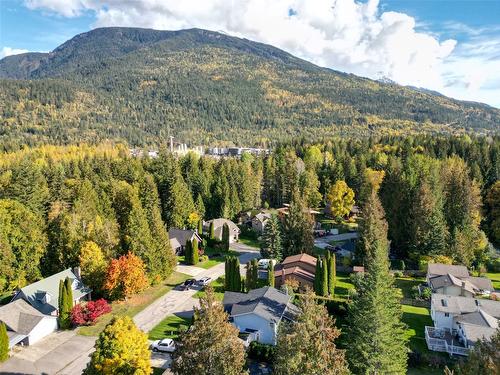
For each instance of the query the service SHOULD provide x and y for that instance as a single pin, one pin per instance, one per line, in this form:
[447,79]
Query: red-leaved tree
[87,313]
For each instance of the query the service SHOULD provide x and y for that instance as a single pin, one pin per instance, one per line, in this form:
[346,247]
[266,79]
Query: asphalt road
[66,353]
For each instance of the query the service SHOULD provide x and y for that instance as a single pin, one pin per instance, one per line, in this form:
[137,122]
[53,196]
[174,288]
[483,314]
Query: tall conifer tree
[4,342]
[375,334]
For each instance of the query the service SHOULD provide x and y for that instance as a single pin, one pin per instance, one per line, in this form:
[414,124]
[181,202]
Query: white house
[44,294]
[259,221]
[259,312]
[25,324]
[234,231]
[460,321]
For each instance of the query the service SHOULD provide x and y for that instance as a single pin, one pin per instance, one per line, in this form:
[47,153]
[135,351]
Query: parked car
[165,345]
[263,264]
[332,248]
[204,281]
[188,283]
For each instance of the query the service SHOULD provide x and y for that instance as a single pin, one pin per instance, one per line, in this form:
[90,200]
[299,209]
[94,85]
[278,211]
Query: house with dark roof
[179,237]
[259,221]
[455,280]
[459,322]
[259,312]
[25,324]
[44,294]
[301,267]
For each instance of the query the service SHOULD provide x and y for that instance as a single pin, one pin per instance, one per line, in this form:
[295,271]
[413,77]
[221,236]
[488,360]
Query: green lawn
[416,318]
[211,261]
[249,241]
[158,371]
[169,327]
[495,279]
[134,304]
[342,286]
[406,283]
[218,286]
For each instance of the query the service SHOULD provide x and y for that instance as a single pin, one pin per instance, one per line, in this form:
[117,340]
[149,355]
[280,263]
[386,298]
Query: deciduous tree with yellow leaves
[340,197]
[120,349]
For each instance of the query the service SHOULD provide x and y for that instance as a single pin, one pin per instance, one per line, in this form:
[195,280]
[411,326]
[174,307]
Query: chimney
[463,289]
[78,272]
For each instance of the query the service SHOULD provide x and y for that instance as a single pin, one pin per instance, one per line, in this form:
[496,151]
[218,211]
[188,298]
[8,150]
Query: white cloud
[7,51]
[345,35]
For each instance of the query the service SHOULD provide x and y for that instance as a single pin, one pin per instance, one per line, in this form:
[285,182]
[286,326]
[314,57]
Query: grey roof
[262,216]
[479,318]
[20,316]
[34,293]
[474,332]
[462,305]
[182,236]
[434,269]
[481,283]
[441,281]
[218,225]
[267,302]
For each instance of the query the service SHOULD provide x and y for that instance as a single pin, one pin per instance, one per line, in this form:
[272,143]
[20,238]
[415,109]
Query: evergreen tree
[270,243]
[297,229]
[376,336]
[232,280]
[225,237]
[324,277]
[188,252]
[252,274]
[200,227]
[270,275]
[194,250]
[65,303]
[223,352]
[318,277]
[120,349]
[330,261]
[4,342]
[307,346]
[211,231]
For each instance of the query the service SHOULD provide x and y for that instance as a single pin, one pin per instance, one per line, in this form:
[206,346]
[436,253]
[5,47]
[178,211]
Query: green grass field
[406,283]
[218,286]
[134,304]
[495,279]
[249,241]
[342,286]
[169,327]
[416,318]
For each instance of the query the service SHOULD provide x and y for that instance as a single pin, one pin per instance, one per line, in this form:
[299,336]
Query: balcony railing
[441,340]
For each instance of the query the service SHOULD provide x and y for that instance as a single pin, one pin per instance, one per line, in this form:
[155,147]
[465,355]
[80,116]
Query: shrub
[426,293]
[87,313]
[203,258]
[400,265]
[398,274]
[261,352]
[415,292]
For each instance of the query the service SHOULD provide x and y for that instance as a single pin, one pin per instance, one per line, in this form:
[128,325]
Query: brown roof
[305,258]
[296,271]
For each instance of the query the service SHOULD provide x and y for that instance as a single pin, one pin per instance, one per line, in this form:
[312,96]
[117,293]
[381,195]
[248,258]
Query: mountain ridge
[204,86]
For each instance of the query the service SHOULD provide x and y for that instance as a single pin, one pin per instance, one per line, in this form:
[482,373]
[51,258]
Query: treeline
[440,195]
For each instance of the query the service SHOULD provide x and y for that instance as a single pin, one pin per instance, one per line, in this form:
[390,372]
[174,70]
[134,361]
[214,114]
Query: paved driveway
[322,242]
[59,353]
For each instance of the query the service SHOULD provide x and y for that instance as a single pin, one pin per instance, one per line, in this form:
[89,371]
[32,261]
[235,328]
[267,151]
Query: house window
[447,315]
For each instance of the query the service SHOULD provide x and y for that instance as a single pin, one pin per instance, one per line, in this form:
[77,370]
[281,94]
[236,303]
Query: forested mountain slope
[204,87]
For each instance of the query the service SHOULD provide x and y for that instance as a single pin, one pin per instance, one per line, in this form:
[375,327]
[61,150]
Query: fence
[415,302]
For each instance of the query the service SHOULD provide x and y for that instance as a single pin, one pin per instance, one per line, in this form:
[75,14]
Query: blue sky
[449,46]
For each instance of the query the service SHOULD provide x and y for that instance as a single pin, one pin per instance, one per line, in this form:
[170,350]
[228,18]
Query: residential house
[459,322]
[259,221]
[301,267]
[258,313]
[179,238]
[44,294]
[455,280]
[283,211]
[25,324]
[234,231]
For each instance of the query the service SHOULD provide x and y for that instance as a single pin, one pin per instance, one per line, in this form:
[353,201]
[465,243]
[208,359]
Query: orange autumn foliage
[125,276]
